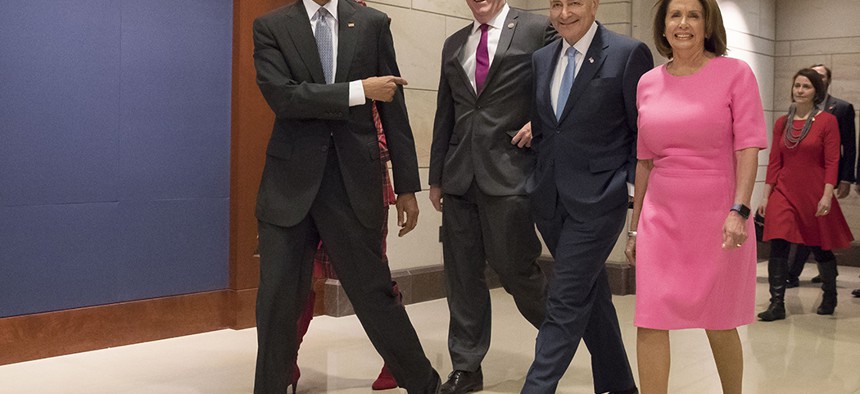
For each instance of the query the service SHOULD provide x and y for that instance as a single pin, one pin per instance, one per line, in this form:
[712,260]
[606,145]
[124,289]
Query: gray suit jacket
[310,114]
[586,157]
[470,132]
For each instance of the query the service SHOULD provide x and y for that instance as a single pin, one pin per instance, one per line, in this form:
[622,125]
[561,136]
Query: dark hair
[827,69]
[817,84]
[715,31]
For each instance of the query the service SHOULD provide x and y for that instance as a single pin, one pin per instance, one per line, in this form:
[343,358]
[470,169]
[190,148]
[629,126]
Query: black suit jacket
[470,132]
[844,113]
[587,156]
[310,114]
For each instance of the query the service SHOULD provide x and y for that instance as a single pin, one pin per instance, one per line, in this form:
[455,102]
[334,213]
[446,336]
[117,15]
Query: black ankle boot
[775,311]
[777,268]
[827,271]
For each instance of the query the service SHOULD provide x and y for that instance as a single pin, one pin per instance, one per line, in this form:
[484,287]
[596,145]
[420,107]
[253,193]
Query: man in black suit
[844,113]
[584,130]
[322,180]
[479,162]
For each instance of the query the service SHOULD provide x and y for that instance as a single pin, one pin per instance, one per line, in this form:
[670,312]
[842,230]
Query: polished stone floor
[805,353]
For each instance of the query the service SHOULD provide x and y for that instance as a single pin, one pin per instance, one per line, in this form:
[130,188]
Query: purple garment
[482,60]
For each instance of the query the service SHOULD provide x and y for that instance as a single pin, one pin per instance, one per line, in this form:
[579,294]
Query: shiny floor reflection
[805,353]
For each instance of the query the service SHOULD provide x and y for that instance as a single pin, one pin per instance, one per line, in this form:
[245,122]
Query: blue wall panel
[114,150]
[172,247]
[57,257]
[175,88]
[59,101]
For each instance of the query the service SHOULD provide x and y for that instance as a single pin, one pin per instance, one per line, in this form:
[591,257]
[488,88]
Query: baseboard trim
[49,334]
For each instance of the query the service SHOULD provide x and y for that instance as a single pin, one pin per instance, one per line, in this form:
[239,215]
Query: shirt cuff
[356,93]
[630,189]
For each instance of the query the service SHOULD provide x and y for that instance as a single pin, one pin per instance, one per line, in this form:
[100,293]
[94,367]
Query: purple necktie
[482,60]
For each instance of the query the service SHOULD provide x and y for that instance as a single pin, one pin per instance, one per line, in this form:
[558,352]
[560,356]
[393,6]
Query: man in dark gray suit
[584,130]
[844,113]
[479,161]
[322,180]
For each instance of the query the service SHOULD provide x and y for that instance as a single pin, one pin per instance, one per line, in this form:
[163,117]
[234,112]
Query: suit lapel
[505,39]
[545,69]
[346,38]
[458,40]
[299,28]
[590,65]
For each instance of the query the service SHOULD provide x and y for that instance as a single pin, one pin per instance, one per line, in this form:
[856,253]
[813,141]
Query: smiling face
[685,26]
[572,18]
[485,10]
[802,92]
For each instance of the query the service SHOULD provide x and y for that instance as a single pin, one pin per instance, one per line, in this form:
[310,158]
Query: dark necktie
[482,60]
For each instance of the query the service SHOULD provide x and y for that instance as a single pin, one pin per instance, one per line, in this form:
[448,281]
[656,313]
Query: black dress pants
[286,265]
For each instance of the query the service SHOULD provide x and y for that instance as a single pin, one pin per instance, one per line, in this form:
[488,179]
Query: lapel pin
[511,25]
[350,24]
[591,60]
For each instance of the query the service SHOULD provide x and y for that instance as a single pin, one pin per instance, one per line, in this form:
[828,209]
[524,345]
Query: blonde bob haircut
[715,31]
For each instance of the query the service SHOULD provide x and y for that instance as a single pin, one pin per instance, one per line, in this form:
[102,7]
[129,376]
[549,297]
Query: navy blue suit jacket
[587,156]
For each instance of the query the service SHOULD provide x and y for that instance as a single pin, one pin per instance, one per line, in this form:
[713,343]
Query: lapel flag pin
[511,25]
[350,24]
[591,60]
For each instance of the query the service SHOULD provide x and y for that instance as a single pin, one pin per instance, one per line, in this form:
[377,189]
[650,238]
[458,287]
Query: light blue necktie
[324,44]
[566,81]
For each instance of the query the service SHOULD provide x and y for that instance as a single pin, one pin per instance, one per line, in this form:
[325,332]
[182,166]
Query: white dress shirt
[356,89]
[494,32]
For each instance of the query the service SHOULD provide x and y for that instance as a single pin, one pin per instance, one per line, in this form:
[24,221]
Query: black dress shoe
[460,382]
[856,293]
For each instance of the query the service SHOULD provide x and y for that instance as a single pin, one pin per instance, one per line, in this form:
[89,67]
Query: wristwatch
[742,210]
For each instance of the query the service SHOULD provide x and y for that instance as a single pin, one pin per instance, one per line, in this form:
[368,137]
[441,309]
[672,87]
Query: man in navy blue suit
[584,134]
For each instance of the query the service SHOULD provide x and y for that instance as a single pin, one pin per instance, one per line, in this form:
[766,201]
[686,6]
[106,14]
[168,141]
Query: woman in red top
[798,201]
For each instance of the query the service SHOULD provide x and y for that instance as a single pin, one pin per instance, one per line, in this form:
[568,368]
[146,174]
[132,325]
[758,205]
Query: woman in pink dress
[701,125]
[798,201]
